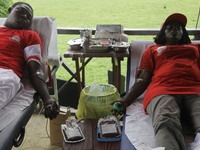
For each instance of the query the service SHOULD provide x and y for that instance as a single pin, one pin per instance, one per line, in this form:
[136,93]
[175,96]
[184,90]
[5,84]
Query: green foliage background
[4,5]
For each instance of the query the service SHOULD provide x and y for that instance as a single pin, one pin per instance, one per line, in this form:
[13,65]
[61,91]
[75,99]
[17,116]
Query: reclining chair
[15,115]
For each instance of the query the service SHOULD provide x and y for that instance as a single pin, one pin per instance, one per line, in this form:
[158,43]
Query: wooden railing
[131,31]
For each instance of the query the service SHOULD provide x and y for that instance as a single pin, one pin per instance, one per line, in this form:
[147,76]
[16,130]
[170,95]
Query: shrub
[4,5]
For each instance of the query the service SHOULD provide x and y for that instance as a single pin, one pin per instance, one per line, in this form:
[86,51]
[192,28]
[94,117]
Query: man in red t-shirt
[19,47]
[170,74]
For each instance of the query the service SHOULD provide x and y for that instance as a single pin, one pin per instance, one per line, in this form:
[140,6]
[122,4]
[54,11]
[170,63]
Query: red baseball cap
[176,17]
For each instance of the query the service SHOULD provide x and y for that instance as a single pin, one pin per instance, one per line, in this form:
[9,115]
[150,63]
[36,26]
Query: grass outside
[129,13]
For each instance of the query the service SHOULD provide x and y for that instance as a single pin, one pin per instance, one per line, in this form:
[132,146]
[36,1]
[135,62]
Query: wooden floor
[36,137]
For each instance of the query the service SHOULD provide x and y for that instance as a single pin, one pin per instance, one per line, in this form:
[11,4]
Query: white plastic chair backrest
[47,30]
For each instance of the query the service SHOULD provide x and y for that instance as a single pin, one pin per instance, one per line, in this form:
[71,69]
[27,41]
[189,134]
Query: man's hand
[51,109]
[118,108]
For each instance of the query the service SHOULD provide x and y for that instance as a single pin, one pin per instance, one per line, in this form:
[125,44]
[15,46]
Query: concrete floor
[36,137]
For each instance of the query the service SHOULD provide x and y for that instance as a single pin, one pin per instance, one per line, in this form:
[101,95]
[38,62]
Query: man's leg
[9,86]
[165,113]
[192,108]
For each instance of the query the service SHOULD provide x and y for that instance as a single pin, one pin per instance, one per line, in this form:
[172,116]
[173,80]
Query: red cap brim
[178,18]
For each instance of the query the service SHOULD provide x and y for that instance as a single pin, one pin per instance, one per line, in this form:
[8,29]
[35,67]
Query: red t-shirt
[175,70]
[18,47]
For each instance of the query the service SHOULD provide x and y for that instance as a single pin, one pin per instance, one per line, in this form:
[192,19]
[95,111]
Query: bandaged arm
[140,85]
